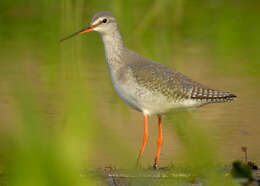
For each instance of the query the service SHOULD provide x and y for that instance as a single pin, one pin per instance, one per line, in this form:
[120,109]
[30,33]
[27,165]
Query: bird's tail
[212,96]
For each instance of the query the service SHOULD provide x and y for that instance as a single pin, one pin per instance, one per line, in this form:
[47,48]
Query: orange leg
[159,142]
[145,139]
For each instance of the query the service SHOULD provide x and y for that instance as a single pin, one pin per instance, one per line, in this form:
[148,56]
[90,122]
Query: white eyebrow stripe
[98,21]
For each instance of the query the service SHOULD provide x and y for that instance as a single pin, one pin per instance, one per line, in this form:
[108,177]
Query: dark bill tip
[84,30]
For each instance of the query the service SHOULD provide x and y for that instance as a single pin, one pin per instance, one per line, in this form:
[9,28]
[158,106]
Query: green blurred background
[60,114]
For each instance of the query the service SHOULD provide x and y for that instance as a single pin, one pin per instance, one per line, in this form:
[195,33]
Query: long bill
[82,31]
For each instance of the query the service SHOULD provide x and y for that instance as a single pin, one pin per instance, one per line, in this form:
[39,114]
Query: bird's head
[102,22]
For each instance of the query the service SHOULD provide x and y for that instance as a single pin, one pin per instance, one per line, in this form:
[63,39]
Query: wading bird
[144,85]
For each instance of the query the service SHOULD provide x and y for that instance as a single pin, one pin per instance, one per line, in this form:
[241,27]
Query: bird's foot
[155,166]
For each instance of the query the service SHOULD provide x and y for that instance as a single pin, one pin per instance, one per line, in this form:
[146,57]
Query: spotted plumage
[174,85]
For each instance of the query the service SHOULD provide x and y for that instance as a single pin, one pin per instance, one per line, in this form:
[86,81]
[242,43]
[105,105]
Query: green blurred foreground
[60,115]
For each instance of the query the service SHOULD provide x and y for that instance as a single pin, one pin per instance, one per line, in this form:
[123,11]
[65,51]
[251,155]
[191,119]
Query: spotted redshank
[146,86]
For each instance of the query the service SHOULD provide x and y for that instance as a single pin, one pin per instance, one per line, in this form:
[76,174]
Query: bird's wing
[159,78]
[175,85]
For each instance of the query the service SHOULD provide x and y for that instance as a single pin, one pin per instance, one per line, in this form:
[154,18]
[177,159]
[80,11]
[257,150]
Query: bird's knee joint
[160,141]
[146,139]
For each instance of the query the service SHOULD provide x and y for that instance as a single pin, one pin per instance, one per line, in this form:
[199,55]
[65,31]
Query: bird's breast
[126,90]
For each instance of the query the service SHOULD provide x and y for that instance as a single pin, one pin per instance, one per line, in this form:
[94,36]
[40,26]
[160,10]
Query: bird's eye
[104,20]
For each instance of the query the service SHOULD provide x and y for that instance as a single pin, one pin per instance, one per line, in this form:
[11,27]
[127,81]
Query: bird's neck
[114,48]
